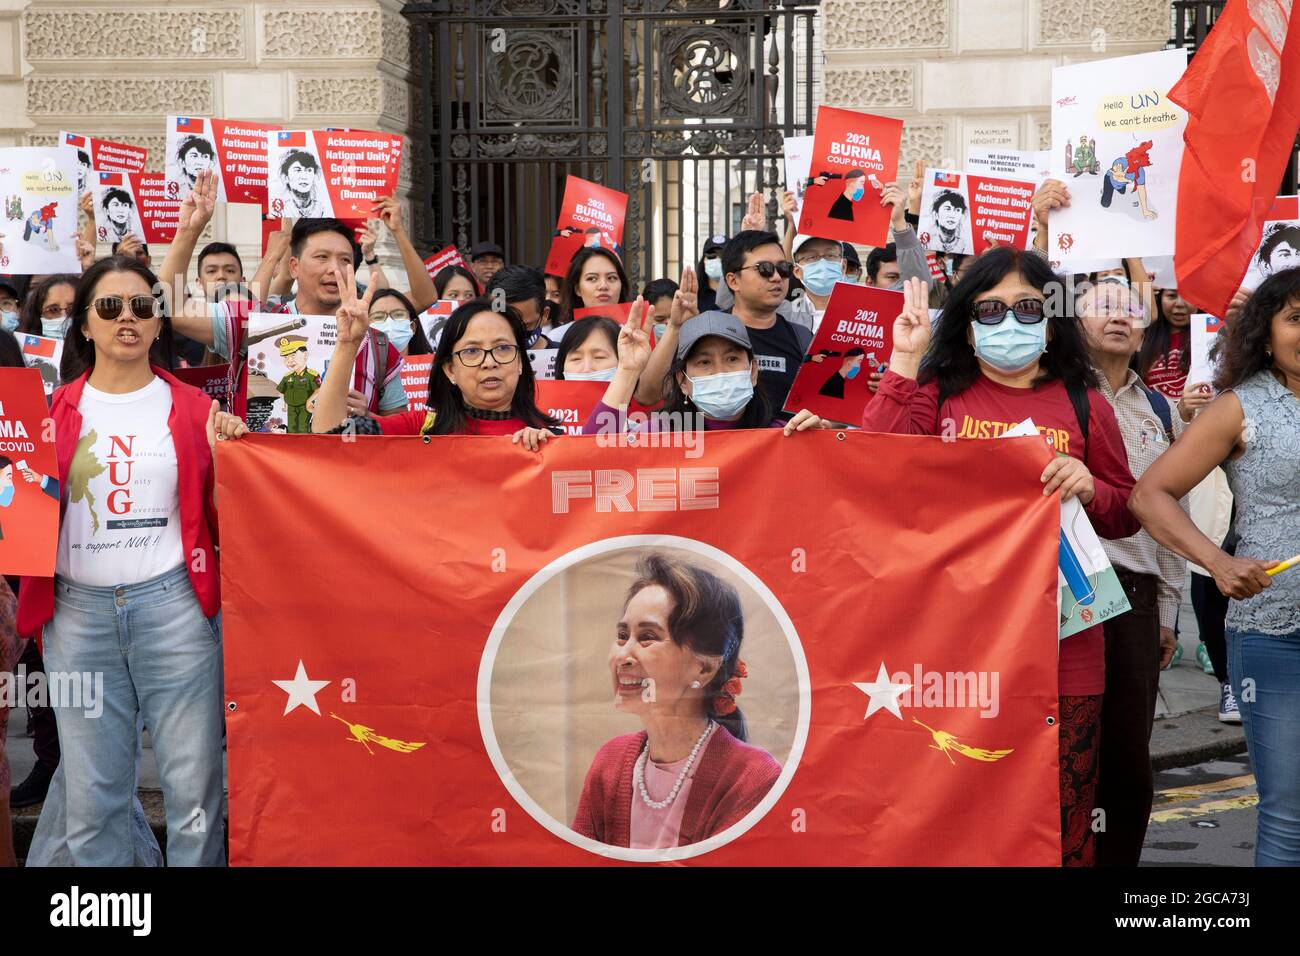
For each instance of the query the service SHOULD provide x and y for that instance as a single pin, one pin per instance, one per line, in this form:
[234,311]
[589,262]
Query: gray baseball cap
[714,322]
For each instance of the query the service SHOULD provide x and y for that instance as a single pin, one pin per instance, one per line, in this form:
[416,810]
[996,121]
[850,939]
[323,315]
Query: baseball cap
[486,249]
[801,241]
[714,322]
[851,254]
[714,242]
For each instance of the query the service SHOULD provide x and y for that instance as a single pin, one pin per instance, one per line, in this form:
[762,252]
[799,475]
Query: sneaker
[1228,712]
[1178,655]
[32,790]
[1203,658]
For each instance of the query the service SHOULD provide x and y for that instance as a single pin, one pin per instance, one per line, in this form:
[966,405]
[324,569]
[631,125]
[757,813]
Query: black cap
[486,249]
[10,283]
[714,242]
[851,254]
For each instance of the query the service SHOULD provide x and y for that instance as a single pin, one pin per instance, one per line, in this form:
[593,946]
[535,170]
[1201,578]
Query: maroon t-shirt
[987,410]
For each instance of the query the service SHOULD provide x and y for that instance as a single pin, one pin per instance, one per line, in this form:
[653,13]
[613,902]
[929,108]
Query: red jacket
[195,483]
[731,780]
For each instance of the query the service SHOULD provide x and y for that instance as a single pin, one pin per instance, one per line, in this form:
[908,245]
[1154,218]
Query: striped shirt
[1145,440]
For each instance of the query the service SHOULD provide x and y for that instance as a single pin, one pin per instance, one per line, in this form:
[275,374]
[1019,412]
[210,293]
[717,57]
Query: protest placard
[854,155]
[590,215]
[339,173]
[44,354]
[570,402]
[29,476]
[1088,590]
[101,154]
[1030,165]
[415,380]
[446,256]
[854,339]
[798,162]
[1205,331]
[1279,243]
[213,379]
[1117,143]
[967,214]
[434,317]
[38,190]
[287,359]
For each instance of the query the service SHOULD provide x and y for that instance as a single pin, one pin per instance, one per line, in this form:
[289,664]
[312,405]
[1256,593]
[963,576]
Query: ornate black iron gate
[682,104]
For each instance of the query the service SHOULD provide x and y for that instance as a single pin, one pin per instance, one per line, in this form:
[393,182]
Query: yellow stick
[1279,568]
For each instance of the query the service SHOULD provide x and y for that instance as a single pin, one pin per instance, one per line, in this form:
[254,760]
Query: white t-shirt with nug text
[122,524]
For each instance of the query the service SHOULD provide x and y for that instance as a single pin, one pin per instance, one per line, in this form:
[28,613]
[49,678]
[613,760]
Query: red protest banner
[241,159]
[590,215]
[415,379]
[854,155]
[213,379]
[159,214]
[854,339]
[107,155]
[321,173]
[570,402]
[446,256]
[29,476]
[497,731]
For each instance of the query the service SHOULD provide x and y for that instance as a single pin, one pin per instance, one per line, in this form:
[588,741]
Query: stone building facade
[959,72]
[114,69]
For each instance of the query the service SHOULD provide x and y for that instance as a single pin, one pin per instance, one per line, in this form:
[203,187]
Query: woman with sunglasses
[135,597]
[482,382]
[1003,354]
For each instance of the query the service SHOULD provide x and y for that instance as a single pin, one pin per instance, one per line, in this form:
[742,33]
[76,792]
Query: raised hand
[353,314]
[131,247]
[196,208]
[277,243]
[755,217]
[87,204]
[685,299]
[788,202]
[389,213]
[1053,194]
[911,329]
[891,195]
[367,237]
[1239,300]
[915,186]
[633,340]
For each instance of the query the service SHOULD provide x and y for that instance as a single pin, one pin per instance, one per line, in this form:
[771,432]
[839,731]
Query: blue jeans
[1270,716]
[159,657]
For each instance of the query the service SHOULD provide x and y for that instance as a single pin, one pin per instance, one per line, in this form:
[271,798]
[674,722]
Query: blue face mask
[859,193]
[1010,346]
[820,277]
[605,375]
[713,268]
[853,372]
[9,320]
[722,396]
[398,332]
[6,496]
[53,328]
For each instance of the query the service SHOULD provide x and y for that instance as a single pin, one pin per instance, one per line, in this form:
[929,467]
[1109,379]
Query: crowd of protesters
[1170,470]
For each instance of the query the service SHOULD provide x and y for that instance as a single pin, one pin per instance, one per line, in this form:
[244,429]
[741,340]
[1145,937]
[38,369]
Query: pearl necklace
[638,771]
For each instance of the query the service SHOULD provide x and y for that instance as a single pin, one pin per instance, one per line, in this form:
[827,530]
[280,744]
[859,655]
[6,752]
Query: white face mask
[53,328]
[713,268]
[605,375]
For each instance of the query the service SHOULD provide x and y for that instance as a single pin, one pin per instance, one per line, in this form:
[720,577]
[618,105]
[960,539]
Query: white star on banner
[300,690]
[884,694]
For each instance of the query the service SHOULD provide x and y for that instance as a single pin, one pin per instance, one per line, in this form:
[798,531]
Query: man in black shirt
[757,272]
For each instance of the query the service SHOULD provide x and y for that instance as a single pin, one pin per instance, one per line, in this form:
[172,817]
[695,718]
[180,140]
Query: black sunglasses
[993,311]
[143,307]
[768,269]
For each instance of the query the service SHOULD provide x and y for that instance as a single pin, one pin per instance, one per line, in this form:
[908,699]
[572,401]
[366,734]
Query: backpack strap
[1161,408]
[1079,399]
[378,365]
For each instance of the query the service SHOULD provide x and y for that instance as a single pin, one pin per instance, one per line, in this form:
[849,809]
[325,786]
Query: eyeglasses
[8,305]
[143,307]
[55,312]
[828,256]
[768,269]
[401,315]
[993,311]
[474,357]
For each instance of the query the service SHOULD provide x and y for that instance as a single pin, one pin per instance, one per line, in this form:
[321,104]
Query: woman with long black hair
[594,277]
[1005,352]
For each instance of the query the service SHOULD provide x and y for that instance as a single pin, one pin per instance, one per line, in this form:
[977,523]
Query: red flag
[39,346]
[72,139]
[1242,96]
[286,138]
[899,643]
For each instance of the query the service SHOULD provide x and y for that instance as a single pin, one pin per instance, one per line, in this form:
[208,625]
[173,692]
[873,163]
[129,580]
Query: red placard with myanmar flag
[854,155]
[853,340]
[29,476]
[590,215]
[136,204]
[97,154]
[906,716]
[322,173]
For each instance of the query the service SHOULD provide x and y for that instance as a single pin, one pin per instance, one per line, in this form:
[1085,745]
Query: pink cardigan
[731,780]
